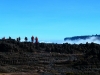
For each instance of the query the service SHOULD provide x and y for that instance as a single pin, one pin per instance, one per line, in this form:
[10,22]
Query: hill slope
[45,58]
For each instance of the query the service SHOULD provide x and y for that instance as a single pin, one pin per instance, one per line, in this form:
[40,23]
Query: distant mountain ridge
[84,37]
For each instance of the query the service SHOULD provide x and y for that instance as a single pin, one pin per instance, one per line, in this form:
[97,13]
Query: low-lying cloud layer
[89,40]
[78,41]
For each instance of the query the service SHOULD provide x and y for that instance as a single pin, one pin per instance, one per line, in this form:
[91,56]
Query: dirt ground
[19,74]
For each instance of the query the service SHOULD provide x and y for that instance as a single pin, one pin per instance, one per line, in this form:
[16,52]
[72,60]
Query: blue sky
[49,19]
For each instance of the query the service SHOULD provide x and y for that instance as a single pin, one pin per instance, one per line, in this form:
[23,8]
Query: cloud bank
[78,41]
[89,40]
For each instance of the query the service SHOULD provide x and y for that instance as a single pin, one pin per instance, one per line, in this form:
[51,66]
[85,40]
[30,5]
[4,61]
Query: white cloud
[89,40]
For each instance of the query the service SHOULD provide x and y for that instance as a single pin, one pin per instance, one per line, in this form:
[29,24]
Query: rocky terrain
[49,59]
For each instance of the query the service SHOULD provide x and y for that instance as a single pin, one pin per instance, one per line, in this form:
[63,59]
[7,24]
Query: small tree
[3,38]
[9,38]
[18,39]
[32,39]
[36,40]
[26,39]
